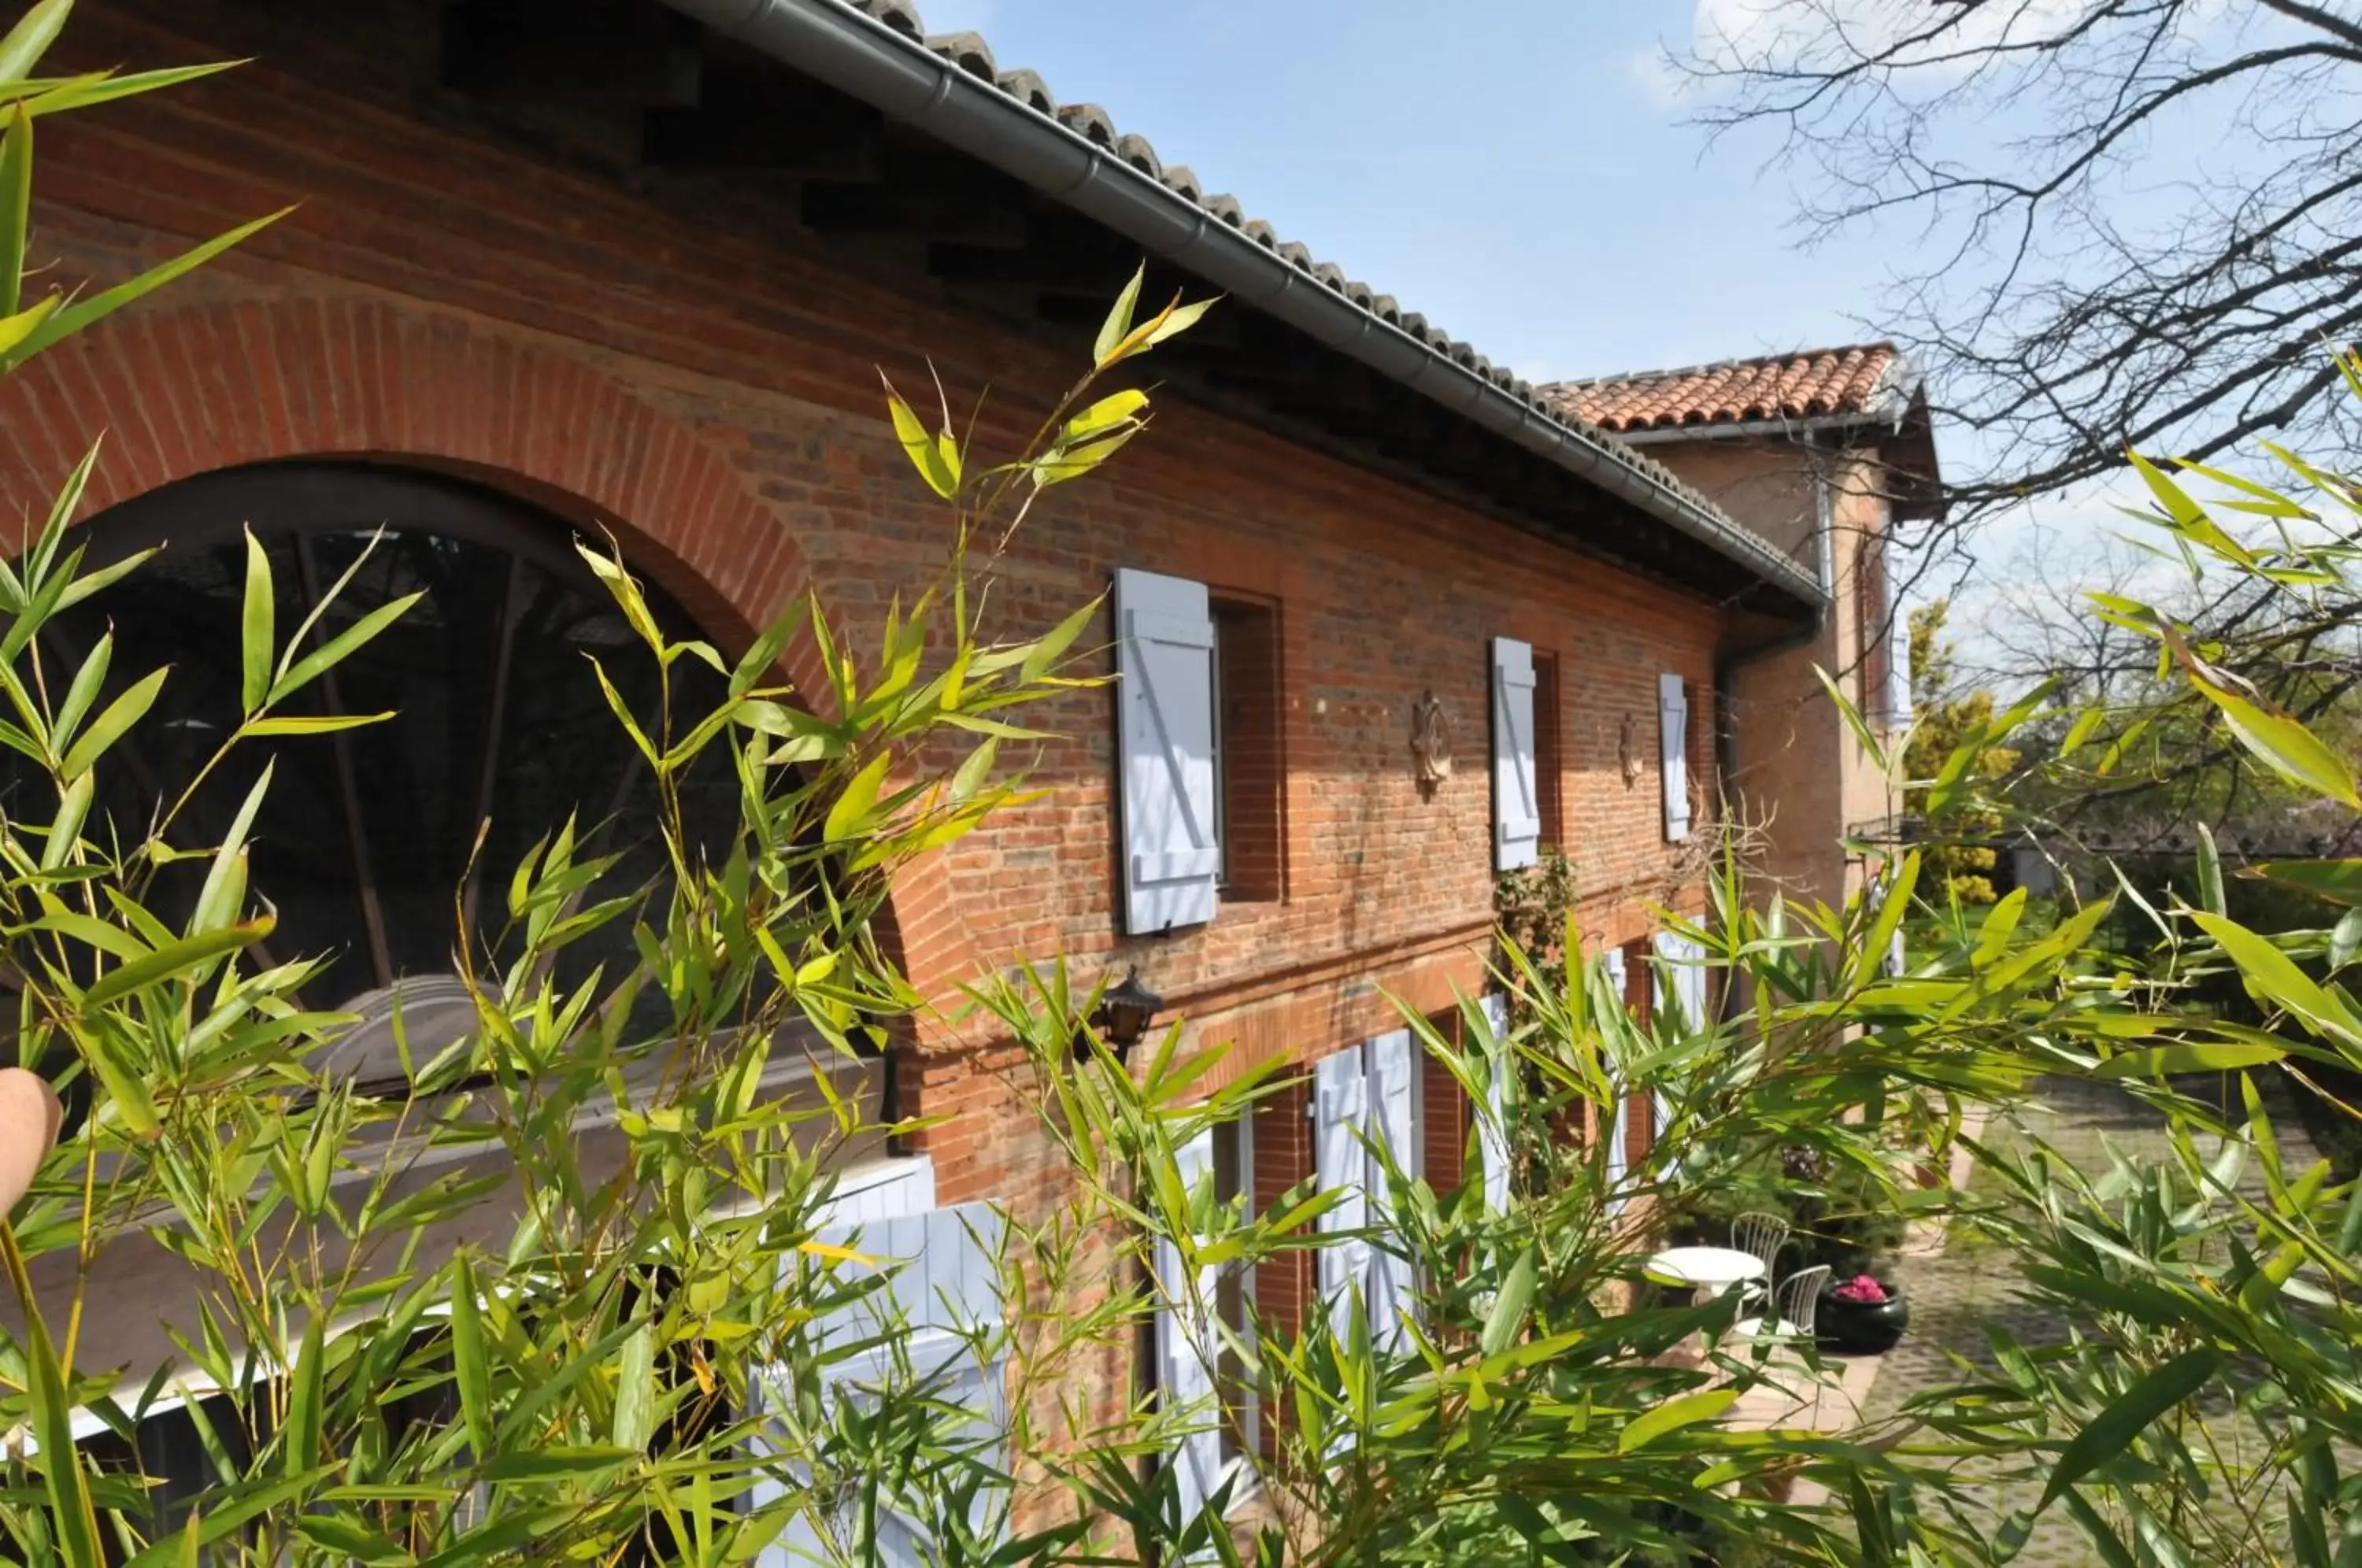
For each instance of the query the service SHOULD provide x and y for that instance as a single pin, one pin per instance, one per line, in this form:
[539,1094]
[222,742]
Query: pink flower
[1860,1288]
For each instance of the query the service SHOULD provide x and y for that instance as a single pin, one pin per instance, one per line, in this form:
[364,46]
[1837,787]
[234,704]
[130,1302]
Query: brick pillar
[1639,995]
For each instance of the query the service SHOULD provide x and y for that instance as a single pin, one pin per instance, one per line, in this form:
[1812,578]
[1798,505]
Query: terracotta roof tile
[1871,380]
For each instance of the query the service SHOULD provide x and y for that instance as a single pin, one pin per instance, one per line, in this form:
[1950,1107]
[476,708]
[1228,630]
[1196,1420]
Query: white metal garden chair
[1762,1236]
[1795,1305]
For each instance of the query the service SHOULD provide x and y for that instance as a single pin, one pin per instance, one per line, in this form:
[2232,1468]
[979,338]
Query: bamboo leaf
[1109,412]
[341,647]
[188,952]
[348,1539]
[2339,881]
[302,1446]
[2273,979]
[17,329]
[556,1464]
[2220,1056]
[255,630]
[2114,1429]
[2209,873]
[850,813]
[61,1474]
[1118,325]
[88,681]
[126,1086]
[30,39]
[634,1420]
[313,724]
[468,1363]
[215,902]
[15,208]
[105,576]
[1685,1410]
[1052,647]
[64,323]
[920,447]
[109,726]
[1508,1310]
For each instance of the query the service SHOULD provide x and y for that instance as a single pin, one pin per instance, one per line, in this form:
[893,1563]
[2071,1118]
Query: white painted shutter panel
[1188,1345]
[1165,744]
[1685,967]
[1493,1137]
[1618,1148]
[1341,1163]
[1517,816]
[948,1282]
[1673,753]
[1391,1062]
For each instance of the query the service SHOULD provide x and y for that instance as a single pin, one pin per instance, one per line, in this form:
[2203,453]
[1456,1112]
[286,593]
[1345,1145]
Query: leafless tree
[2138,222]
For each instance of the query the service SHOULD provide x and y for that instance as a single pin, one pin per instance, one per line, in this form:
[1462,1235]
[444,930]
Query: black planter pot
[1862,1328]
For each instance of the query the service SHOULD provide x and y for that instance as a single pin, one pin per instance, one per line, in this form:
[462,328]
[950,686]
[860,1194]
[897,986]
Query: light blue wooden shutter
[1492,1134]
[944,1283]
[1673,753]
[1679,987]
[1165,751]
[1516,817]
[1187,1346]
[1341,1163]
[1391,1063]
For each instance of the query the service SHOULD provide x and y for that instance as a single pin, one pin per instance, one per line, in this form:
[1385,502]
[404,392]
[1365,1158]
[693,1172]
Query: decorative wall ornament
[1628,750]
[1430,740]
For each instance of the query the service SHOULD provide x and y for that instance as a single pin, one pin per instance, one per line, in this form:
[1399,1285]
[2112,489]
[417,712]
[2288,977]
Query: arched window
[367,845]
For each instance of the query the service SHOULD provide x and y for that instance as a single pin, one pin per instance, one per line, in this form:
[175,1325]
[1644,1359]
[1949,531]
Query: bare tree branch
[2139,221]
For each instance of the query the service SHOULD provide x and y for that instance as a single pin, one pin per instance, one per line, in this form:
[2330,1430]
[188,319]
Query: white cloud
[1662,83]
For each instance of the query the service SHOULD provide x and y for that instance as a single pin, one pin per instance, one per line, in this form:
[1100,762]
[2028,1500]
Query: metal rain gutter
[1667,434]
[858,55]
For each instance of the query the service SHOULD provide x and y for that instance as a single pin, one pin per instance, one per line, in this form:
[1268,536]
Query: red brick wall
[709,388]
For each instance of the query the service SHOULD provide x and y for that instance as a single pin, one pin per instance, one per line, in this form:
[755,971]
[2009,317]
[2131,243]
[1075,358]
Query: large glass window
[368,848]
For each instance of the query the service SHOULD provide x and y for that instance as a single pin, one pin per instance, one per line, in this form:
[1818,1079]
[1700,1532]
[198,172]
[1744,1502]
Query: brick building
[1823,452]
[640,270]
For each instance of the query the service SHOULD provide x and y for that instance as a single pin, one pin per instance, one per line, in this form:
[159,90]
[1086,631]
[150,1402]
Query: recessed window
[1198,1371]
[367,846]
[1234,1294]
[1550,757]
[1873,611]
[1250,772]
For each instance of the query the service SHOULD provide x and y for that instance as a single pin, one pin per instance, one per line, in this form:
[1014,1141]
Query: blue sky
[1503,166]
[1518,171]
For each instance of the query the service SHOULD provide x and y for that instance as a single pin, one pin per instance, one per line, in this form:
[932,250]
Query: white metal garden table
[1709,1271]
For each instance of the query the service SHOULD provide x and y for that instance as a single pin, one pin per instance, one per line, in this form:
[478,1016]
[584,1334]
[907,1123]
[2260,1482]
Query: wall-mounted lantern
[1125,1011]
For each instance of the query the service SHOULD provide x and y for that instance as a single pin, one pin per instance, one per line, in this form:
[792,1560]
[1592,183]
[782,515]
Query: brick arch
[177,393]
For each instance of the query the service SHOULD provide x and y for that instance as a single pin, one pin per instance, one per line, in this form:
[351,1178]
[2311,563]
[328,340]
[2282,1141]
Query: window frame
[1240,617]
[1549,751]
